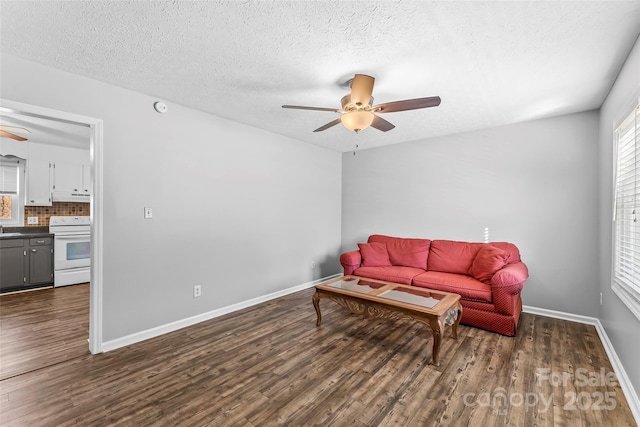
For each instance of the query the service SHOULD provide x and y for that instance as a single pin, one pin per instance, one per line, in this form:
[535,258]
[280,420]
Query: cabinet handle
[33,250]
[39,241]
[33,201]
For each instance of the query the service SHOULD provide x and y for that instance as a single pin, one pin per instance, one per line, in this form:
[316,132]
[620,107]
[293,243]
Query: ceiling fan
[357,112]
[8,132]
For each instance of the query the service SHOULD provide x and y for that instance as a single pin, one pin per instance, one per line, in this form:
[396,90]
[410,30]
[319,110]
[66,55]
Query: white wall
[532,183]
[623,328]
[238,210]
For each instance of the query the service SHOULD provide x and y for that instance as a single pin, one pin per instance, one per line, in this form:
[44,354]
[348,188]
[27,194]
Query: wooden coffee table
[379,299]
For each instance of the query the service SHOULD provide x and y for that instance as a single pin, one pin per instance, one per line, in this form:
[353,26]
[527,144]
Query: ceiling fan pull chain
[355,149]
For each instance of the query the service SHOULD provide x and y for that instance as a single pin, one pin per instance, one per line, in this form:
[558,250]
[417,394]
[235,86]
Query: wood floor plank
[270,365]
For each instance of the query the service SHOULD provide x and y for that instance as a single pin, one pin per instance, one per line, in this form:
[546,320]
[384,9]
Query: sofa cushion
[374,254]
[465,286]
[403,251]
[395,274]
[488,260]
[448,256]
[514,253]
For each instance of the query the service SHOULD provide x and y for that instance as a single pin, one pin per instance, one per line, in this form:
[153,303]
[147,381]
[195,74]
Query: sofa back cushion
[448,256]
[404,251]
[374,254]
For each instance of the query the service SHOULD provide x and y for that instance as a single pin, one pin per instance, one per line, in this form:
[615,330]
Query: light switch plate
[32,220]
[148,213]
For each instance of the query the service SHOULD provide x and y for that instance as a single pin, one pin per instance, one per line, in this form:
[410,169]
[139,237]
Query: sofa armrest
[506,286]
[510,275]
[350,261]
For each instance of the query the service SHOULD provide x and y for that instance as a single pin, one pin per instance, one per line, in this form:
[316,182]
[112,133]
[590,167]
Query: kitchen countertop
[24,232]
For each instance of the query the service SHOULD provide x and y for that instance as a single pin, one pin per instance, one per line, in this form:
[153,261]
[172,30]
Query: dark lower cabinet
[12,264]
[25,263]
[40,261]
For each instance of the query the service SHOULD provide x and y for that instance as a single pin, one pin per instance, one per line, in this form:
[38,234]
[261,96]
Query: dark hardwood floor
[269,365]
[43,327]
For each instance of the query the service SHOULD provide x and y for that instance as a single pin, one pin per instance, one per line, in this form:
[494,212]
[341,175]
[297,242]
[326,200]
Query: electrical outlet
[313,265]
[197,291]
[32,220]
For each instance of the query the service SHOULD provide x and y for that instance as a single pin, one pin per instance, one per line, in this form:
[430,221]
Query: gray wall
[623,328]
[532,183]
[241,211]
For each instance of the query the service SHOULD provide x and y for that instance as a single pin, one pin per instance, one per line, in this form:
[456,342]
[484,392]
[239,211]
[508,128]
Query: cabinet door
[67,177]
[39,183]
[40,264]
[86,178]
[12,259]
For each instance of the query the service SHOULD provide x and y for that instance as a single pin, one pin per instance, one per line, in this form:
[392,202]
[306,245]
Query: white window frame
[17,199]
[625,280]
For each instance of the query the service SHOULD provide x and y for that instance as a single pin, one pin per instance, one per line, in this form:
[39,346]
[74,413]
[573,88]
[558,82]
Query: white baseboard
[189,321]
[628,390]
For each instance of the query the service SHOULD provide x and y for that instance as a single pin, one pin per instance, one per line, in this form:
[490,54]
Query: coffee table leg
[454,327]
[437,327]
[316,305]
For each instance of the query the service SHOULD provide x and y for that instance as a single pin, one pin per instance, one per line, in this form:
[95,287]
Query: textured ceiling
[492,63]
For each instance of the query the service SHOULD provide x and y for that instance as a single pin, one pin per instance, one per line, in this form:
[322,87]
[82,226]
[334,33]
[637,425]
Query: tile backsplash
[57,209]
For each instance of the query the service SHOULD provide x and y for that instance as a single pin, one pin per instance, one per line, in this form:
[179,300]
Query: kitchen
[45,193]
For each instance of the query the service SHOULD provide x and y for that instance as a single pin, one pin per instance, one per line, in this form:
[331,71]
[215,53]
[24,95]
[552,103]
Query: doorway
[95,126]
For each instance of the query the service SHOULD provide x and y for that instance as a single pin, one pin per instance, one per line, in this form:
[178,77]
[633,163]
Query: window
[11,191]
[626,230]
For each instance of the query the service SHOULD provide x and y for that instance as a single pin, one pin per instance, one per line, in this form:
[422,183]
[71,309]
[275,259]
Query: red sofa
[488,276]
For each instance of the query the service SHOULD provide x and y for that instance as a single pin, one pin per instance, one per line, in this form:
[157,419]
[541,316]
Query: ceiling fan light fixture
[357,120]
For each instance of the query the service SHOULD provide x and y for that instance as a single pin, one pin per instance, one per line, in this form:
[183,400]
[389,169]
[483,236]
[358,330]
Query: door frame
[96,207]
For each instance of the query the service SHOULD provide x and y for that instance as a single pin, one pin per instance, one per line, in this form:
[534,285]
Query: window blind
[626,265]
[8,179]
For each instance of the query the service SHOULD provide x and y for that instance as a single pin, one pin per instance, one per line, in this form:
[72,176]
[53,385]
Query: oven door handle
[72,234]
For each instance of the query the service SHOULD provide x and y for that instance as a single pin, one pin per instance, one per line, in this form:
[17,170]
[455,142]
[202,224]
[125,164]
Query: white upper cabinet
[39,183]
[67,177]
[55,174]
[86,178]
[71,182]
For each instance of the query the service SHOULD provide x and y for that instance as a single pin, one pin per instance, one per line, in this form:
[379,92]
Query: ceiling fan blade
[300,107]
[381,124]
[407,104]
[330,124]
[14,129]
[12,136]
[361,89]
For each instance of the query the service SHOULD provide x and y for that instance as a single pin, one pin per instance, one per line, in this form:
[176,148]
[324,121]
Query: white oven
[72,249]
